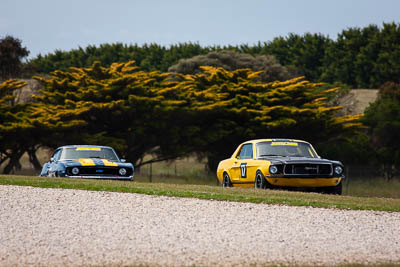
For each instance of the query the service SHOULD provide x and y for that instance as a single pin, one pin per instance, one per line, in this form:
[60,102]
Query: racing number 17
[243,170]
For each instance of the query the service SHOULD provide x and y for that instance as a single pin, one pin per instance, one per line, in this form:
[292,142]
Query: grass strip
[211,193]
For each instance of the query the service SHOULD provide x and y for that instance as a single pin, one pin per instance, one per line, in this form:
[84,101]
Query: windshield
[285,149]
[89,152]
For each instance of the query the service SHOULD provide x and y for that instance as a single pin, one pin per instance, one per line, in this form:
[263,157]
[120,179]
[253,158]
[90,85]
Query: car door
[242,163]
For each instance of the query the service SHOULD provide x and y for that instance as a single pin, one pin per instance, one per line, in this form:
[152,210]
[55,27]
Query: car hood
[94,162]
[290,160]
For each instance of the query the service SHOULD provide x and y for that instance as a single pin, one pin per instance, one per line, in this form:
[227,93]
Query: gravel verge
[63,227]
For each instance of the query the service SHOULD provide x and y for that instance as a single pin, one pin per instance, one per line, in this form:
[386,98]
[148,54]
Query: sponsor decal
[284,144]
[89,148]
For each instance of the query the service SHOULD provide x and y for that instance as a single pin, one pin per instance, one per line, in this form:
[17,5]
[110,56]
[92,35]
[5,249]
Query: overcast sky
[47,25]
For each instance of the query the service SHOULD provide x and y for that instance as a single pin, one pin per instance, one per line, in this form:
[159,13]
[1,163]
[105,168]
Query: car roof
[75,146]
[274,140]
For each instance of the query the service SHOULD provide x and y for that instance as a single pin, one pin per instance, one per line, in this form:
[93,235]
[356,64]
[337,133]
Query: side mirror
[52,159]
[123,160]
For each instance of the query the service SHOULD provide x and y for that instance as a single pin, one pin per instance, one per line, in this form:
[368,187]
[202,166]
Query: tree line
[359,57]
[246,92]
[164,114]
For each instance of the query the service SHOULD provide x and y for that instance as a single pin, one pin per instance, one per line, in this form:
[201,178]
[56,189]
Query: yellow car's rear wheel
[226,181]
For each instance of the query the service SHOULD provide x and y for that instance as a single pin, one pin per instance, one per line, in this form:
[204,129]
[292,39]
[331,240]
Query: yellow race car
[281,163]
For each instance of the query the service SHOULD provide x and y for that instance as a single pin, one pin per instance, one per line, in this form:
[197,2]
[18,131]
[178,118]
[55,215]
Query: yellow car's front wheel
[260,182]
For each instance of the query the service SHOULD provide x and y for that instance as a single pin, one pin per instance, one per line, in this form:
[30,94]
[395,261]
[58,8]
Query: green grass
[372,187]
[191,170]
[211,192]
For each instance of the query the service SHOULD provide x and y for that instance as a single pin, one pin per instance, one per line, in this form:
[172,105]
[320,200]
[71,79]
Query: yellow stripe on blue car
[87,162]
[97,162]
[109,163]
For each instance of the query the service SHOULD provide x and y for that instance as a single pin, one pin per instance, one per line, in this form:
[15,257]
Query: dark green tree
[231,60]
[383,119]
[11,55]
[360,57]
[149,56]
[17,133]
[364,57]
[303,53]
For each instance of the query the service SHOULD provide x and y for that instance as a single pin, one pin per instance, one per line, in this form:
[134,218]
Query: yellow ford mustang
[275,163]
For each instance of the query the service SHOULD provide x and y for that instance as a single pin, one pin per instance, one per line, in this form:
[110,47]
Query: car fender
[223,167]
[45,168]
[57,169]
[264,167]
[228,172]
[221,176]
[61,169]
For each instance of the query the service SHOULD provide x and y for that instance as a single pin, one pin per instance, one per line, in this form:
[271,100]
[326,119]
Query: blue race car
[86,161]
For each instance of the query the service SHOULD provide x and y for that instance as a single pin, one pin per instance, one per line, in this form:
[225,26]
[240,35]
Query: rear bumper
[304,182]
[130,178]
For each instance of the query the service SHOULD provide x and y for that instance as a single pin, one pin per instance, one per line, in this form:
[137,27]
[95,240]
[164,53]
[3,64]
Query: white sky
[47,25]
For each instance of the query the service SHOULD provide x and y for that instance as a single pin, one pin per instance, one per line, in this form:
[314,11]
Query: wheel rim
[225,181]
[258,182]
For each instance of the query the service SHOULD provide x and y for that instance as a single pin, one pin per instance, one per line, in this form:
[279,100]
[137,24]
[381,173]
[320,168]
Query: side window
[246,152]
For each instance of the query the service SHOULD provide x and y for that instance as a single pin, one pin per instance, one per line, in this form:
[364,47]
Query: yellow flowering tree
[171,115]
[231,107]
[118,106]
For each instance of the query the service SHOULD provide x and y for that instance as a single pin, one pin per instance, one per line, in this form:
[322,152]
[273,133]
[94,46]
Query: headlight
[273,169]
[122,171]
[75,171]
[338,170]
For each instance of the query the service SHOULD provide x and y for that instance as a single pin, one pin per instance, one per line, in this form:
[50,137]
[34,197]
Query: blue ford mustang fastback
[86,161]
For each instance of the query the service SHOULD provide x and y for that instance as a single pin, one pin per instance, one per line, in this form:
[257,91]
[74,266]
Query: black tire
[260,182]
[226,181]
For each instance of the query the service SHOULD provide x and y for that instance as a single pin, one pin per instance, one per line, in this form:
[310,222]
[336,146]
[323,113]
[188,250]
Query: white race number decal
[243,170]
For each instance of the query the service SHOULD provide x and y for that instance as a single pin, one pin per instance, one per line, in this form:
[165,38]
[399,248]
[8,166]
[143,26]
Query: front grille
[307,169]
[99,171]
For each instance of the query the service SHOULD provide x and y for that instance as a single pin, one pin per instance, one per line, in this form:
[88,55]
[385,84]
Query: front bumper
[130,178]
[304,182]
